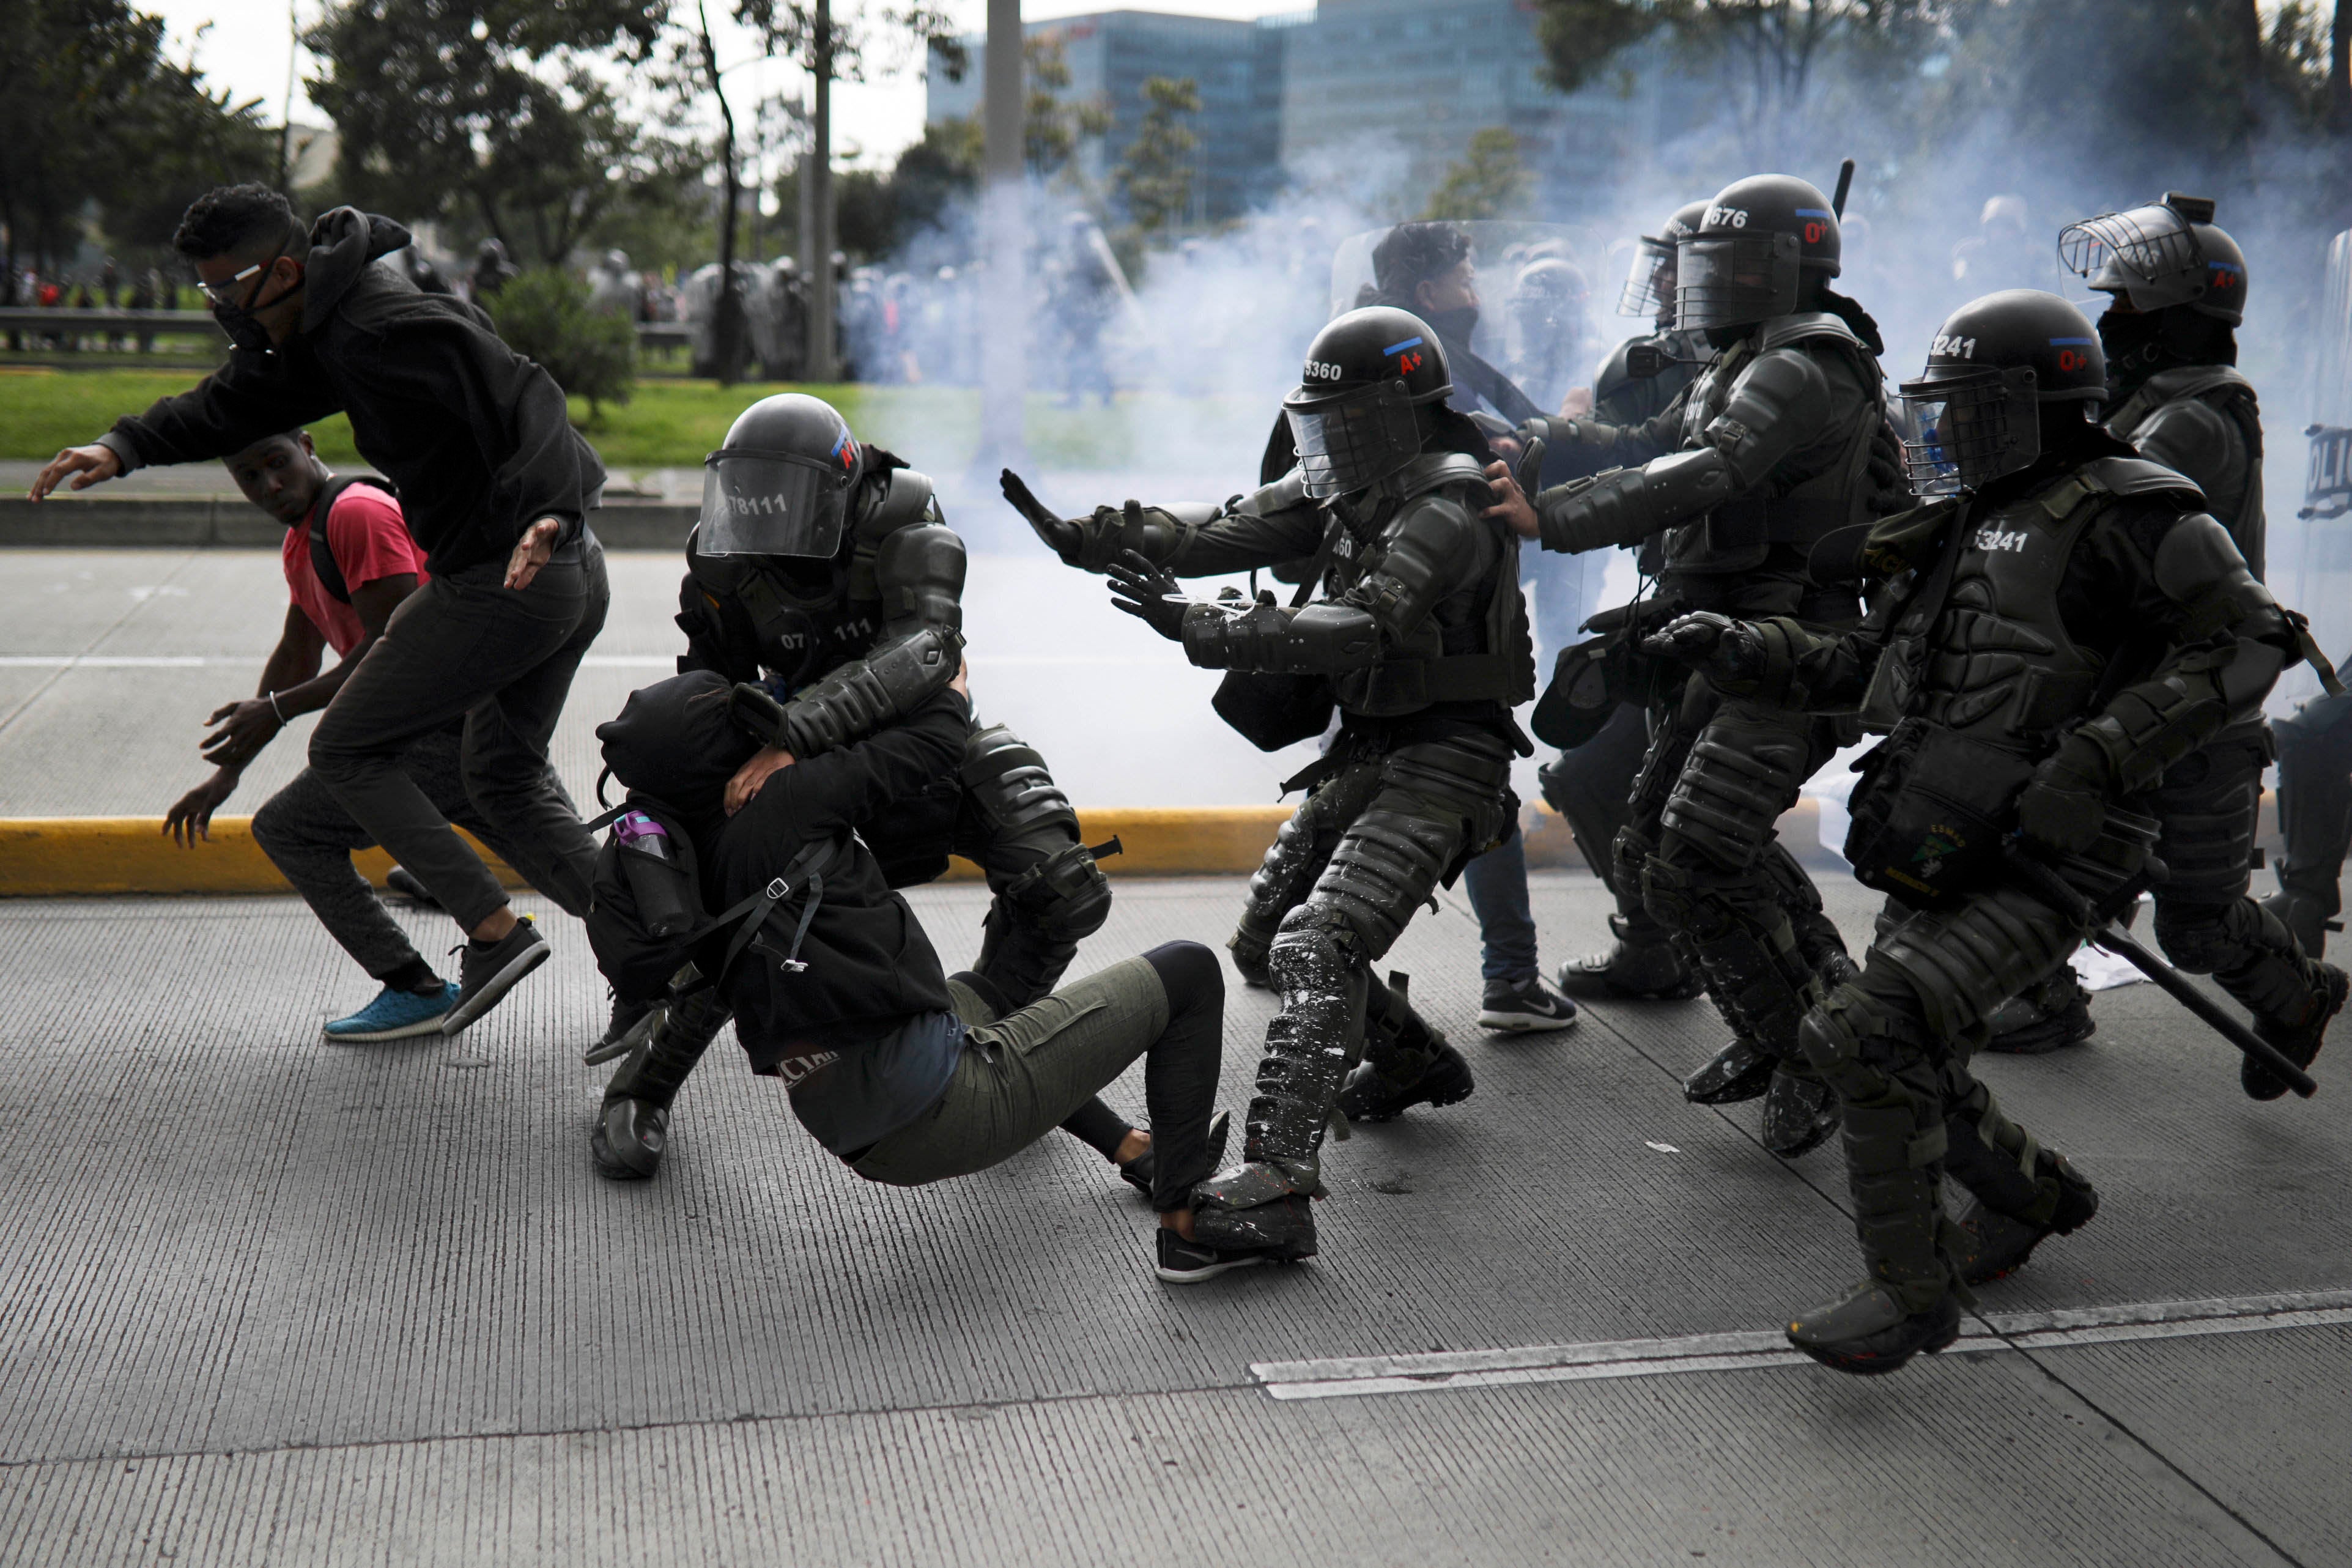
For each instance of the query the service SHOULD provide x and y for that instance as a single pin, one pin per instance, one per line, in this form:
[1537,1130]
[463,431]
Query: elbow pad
[1625,506]
[2150,726]
[1780,403]
[918,576]
[861,697]
[1273,639]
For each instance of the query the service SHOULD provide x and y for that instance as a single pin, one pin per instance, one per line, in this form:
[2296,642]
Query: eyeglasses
[227,291]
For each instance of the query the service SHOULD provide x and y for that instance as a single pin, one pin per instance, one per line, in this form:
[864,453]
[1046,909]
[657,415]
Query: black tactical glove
[1887,489]
[1149,593]
[1064,538]
[1729,654]
[2066,805]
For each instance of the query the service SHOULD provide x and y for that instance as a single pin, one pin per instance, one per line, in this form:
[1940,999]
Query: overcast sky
[245,49]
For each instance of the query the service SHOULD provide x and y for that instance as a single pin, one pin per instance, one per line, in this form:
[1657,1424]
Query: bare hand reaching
[90,465]
[1511,504]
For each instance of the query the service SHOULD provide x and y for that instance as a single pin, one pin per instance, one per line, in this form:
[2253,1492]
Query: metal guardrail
[65,320]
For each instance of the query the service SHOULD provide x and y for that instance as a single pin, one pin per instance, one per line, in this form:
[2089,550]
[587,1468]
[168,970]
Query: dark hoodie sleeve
[851,784]
[252,396]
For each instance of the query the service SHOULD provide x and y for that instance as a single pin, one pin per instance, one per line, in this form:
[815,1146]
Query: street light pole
[816,181]
[1004,327]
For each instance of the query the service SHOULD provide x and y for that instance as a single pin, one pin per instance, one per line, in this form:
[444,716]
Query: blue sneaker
[394,1015]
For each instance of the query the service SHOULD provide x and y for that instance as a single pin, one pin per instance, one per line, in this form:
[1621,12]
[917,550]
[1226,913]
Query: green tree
[1052,128]
[1491,182]
[490,113]
[96,112]
[544,315]
[1155,177]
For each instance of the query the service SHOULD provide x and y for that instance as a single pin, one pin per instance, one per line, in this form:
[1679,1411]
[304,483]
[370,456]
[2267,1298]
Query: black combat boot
[1631,968]
[1869,1330]
[2298,1042]
[1993,1245]
[1911,1301]
[1740,1071]
[2046,1017]
[632,1131]
[1800,1113]
[1406,1060]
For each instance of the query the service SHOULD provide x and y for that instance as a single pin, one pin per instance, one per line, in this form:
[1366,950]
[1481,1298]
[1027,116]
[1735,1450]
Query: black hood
[342,244]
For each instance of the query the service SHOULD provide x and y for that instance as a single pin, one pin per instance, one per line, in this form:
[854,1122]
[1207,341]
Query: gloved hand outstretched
[1064,538]
[2066,805]
[1729,654]
[1149,593]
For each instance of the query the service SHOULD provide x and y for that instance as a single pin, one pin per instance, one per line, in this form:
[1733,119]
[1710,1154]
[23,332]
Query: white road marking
[1349,1376]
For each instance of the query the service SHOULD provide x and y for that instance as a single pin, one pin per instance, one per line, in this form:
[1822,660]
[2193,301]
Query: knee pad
[1386,866]
[1009,780]
[1065,895]
[1314,948]
[1667,894]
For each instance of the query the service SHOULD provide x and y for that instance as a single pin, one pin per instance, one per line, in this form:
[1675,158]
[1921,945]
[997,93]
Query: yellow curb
[71,855]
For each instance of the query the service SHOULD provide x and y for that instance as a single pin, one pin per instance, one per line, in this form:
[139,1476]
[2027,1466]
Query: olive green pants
[1022,1073]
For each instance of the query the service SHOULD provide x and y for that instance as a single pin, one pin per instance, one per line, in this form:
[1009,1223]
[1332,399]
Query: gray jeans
[1022,1073]
[504,658]
[309,835]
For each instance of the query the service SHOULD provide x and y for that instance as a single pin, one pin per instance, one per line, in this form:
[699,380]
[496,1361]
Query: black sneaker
[2298,1043]
[1184,1262]
[1370,1096]
[1138,1173]
[1650,971]
[1525,1010]
[403,880]
[632,1022]
[488,974]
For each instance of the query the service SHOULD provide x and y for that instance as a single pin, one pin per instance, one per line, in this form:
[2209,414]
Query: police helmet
[1352,416]
[2168,253]
[1746,262]
[1649,282]
[1993,364]
[782,484]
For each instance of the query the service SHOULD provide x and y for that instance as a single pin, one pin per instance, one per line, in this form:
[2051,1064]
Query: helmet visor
[2126,252]
[1733,280]
[1650,281]
[767,503]
[1971,426]
[1353,439]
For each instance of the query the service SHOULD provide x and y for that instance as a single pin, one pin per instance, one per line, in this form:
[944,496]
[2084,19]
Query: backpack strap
[322,558]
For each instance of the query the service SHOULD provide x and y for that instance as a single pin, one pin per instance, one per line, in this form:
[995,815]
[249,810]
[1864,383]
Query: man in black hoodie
[497,487]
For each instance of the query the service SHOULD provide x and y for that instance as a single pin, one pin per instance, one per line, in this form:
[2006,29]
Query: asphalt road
[269,1301]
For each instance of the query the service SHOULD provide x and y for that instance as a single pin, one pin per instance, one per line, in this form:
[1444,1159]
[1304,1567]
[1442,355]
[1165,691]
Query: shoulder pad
[1782,330]
[906,499]
[2139,476]
[2197,380]
[1435,471]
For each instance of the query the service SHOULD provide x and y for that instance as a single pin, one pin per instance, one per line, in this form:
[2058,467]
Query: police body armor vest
[1739,535]
[1990,658]
[1486,657]
[2223,389]
[809,620]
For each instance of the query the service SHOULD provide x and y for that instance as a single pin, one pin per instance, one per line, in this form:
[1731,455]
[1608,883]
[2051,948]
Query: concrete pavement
[275,1301]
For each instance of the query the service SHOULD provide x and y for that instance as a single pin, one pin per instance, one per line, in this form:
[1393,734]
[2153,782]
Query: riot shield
[1536,313]
[2328,483]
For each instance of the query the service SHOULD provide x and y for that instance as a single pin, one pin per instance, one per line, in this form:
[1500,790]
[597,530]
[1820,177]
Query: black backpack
[322,560]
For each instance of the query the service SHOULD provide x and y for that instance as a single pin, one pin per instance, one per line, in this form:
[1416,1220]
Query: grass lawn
[672,424]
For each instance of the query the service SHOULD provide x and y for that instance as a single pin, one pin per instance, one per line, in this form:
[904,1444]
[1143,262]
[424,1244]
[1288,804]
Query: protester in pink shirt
[343,585]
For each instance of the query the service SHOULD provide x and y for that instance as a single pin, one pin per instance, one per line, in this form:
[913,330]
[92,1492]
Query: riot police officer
[821,577]
[2176,285]
[1727,490]
[1420,637]
[1591,784]
[2057,640]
